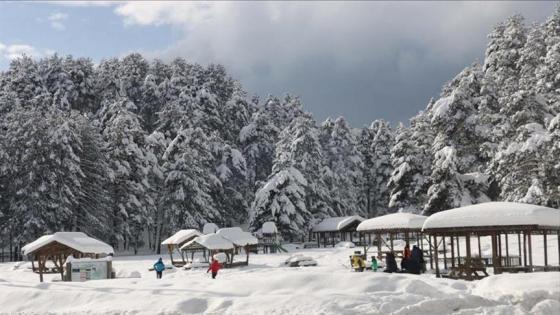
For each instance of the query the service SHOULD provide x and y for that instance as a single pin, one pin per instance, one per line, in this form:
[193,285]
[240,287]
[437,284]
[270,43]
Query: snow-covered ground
[267,287]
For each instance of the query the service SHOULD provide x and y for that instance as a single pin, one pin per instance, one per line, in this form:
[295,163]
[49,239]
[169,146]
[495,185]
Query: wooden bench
[514,269]
[472,269]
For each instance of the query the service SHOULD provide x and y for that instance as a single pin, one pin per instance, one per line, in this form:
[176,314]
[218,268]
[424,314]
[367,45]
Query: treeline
[131,150]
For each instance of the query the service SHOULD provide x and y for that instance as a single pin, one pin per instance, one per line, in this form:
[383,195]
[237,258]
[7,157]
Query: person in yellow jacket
[358,263]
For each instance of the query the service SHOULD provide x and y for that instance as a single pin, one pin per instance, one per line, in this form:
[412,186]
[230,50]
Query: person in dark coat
[417,256]
[159,267]
[390,263]
[214,267]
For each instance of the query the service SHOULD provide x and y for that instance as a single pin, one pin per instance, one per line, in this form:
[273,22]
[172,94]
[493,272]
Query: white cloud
[13,51]
[56,20]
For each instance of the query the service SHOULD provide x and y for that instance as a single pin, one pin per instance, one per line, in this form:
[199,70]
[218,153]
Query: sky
[361,60]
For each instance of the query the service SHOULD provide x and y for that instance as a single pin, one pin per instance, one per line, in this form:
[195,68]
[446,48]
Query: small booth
[268,238]
[510,229]
[176,241]
[209,245]
[386,229]
[210,228]
[59,246]
[333,230]
[243,241]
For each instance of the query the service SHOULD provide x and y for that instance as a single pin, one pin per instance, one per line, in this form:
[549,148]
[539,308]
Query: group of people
[215,266]
[412,261]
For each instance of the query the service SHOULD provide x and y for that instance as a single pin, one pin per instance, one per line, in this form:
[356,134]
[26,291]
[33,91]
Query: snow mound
[300,260]
[345,245]
[494,214]
[211,241]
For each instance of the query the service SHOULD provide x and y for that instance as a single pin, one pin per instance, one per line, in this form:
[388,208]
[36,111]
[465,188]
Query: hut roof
[394,221]
[269,228]
[494,214]
[237,236]
[210,228]
[75,240]
[336,223]
[181,236]
[210,241]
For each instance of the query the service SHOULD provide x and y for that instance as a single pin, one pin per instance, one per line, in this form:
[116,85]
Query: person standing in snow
[406,252]
[390,263]
[214,267]
[373,263]
[159,267]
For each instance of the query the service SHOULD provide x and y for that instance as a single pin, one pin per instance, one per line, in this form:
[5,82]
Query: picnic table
[471,269]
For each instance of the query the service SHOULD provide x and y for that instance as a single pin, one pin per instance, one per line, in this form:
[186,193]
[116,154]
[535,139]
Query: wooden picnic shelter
[209,245]
[58,246]
[177,240]
[242,241]
[336,229]
[511,228]
[384,230]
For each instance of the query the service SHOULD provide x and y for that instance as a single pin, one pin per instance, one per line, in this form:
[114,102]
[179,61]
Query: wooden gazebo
[336,229]
[58,246]
[511,228]
[177,240]
[241,240]
[209,245]
[385,229]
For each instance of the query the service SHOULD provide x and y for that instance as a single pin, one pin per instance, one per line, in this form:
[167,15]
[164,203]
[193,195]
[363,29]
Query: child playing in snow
[373,264]
[159,267]
[214,267]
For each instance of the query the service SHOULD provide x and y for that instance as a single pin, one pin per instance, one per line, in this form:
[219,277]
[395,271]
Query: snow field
[267,287]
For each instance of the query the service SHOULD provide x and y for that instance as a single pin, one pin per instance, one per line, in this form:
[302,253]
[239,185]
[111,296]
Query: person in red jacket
[214,267]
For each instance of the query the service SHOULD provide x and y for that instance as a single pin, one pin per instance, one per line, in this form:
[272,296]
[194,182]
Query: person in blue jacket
[159,267]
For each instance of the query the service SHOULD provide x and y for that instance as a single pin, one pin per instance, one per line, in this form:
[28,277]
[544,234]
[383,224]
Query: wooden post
[391,241]
[40,261]
[420,236]
[500,248]
[468,244]
[430,249]
[558,240]
[379,256]
[530,251]
[519,247]
[436,256]
[495,260]
[545,249]
[525,249]
[444,253]
[507,251]
[458,250]
[318,240]
[479,249]
[369,238]
[452,252]
[170,250]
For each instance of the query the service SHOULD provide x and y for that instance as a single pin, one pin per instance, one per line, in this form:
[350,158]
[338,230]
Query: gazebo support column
[525,249]
[444,253]
[391,242]
[479,249]
[452,252]
[458,250]
[468,244]
[530,251]
[436,256]
[519,247]
[430,249]
[379,254]
[495,259]
[545,249]
[507,251]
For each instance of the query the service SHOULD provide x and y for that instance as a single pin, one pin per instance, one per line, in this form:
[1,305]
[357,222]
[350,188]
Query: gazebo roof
[336,224]
[181,236]
[237,236]
[210,241]
[75,240]
[494,215]
[269,228]
[394,222]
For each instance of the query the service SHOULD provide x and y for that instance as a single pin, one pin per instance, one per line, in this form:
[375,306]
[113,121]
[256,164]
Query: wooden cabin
[509,227]
[58,246]
[177,240]
[333,230]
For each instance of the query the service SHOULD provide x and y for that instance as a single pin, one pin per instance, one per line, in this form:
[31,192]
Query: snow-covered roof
[210,241]
[269,228]
[494,214]
[210,228]
[336,223]
[398,220]
[181,236]
[75,240]
[237,236]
